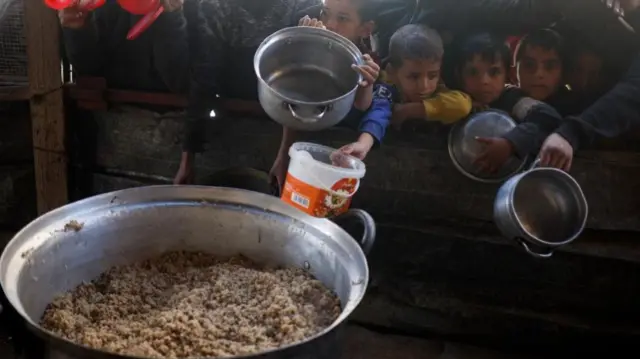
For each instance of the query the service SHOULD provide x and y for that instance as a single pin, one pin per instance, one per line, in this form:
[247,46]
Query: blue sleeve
[377,118]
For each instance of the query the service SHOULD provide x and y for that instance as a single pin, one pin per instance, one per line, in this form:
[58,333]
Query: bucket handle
[534,253]
[307,119]
[368,227]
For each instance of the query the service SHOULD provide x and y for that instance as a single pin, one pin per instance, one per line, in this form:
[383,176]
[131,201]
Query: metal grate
[13,49]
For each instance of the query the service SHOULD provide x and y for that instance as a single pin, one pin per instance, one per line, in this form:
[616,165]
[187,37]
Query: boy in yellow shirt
[410,88]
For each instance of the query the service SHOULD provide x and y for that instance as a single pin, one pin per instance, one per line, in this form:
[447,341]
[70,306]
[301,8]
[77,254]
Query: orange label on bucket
[318,202]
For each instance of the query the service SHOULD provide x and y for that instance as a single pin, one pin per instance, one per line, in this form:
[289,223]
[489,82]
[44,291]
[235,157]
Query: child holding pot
[355,20]
[409,88]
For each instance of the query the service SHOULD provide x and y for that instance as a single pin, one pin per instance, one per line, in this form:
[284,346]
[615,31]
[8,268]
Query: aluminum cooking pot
[542,209]
[305,79]
[49,256]
[464,148]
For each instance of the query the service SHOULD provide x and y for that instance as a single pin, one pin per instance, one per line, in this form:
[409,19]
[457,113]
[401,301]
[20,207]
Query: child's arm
[207,66]
[537,124]
[278,171]
[526,138]
[171,50]
[373,125]
[377,119]
[611,115]
[446,107]
[369,72]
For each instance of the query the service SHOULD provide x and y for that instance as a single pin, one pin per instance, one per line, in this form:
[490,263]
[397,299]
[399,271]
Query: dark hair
[577,46]
[548,39]
[367,9]
[489,47]
[414,42]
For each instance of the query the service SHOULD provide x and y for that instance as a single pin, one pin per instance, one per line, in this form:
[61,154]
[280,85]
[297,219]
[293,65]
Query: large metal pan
[50,256]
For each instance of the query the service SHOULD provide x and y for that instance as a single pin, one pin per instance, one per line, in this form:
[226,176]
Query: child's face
[540,72]
[342,17]
[482,80]
[416,79]
[584,74]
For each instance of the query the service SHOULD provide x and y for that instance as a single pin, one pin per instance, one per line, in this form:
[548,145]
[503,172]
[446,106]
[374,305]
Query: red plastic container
[139,7]
[151,9]
[63,4]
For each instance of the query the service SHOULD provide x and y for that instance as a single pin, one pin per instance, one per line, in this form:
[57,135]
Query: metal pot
[542,209]
[48,256]
[305,79]
[464,148]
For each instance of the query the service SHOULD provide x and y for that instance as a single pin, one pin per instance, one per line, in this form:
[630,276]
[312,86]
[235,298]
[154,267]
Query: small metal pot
[305,79]
[542,209]
[464,148]
[47,257]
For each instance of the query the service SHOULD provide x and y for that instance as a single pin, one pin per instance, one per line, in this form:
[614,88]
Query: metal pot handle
[305,119]
[533,253]
[368,227]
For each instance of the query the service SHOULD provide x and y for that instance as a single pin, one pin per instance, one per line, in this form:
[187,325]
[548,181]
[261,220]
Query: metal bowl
[464,148]
[76,243]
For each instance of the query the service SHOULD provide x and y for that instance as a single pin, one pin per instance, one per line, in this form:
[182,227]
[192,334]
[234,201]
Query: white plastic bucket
[315,185]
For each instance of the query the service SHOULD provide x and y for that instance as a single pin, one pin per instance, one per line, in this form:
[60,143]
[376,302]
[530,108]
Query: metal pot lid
[464,148]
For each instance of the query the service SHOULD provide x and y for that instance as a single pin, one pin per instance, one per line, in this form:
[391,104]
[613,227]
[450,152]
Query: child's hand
[186,173]
[495,155]
[73,17]
[369,71]
[360,148]
[556,152]
[307,21]
[278,172]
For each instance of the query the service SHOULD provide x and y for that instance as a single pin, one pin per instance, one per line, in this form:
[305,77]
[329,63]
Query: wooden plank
[88,91]
[43,47]
[51,180]
[436,283]
[617,245]
[14,93]
[361,343]
[410,175]
[47,108]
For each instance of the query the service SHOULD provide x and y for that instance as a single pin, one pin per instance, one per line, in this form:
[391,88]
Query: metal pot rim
[463,170]
[225,195]
[532,238]
[306,30]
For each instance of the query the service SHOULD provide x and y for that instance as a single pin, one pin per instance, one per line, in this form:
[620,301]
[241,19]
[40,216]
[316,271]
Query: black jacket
[612,114]
[158,60]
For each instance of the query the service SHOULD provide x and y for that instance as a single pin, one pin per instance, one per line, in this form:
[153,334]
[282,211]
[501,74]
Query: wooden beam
[14,93]
[47,106]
